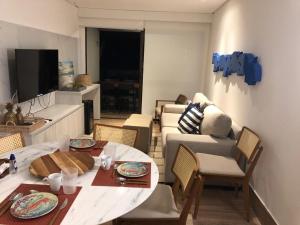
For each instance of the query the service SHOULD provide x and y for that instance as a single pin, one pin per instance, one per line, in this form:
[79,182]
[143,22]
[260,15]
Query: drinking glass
[64,143]
[110,150]
[69,178]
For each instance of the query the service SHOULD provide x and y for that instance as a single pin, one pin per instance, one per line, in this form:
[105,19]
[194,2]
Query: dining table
[94,204]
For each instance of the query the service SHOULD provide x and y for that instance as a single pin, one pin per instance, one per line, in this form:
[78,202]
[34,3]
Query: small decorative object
[12,164]
[83,80]
[106,161]
[240,63]
[10,117]
[19,115]
[4,167]
[66,74]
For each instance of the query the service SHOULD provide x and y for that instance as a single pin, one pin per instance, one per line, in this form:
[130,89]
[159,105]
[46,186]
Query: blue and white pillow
[189,122]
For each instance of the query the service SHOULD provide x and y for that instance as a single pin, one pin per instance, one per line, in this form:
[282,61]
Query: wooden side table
[143,123]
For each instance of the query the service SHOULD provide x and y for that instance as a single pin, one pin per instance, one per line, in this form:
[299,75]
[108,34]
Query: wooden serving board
[57,161]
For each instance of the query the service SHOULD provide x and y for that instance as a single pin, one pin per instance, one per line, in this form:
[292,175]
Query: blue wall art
[243,64]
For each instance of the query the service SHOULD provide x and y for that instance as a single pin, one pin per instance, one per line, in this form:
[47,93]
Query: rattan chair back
[115,134]
[185,166]
[11,142]
[248,143]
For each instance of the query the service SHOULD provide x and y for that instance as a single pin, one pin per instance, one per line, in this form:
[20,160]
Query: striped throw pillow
[189,122]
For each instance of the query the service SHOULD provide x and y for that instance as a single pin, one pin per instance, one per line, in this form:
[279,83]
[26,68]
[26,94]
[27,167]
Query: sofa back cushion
[215,122]
[200,98]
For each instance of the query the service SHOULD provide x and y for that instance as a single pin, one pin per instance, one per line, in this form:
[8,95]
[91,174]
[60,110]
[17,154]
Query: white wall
[93,53]
[56,16]
[174,61]
[268,29]
[136,18]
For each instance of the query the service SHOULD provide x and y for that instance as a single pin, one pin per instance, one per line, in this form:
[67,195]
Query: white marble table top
[94,204]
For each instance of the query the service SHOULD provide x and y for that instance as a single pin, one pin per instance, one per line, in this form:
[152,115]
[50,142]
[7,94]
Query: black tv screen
[36,72]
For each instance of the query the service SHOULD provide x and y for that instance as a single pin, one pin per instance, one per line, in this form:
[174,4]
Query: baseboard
[260,210]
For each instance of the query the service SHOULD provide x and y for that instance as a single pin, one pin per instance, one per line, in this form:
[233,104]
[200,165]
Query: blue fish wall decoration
[243,64]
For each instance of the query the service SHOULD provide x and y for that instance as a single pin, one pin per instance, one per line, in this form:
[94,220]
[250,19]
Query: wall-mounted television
[36,72]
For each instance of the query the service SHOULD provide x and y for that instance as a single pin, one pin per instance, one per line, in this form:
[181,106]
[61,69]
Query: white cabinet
[75,97]
[67,120]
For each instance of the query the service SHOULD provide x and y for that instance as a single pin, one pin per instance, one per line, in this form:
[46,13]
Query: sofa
[218,132]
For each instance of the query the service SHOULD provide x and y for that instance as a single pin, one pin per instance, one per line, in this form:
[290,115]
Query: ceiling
[191,6]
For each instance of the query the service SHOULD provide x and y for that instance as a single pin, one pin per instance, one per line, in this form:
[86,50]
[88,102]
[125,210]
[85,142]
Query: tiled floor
[218,206]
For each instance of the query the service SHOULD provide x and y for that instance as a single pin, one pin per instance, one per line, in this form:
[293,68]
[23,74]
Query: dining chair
[11,142]
[161,206]
[221,168]
[116,134]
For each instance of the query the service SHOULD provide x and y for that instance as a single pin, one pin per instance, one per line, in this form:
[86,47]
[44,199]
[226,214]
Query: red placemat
[95,150]
[8,219]
[108,178]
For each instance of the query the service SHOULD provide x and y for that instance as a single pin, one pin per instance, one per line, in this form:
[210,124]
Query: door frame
[141,63]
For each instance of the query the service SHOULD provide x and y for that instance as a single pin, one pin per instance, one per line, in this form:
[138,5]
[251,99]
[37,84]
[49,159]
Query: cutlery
[131,181]
[115,169]
[13,197]
[62,206]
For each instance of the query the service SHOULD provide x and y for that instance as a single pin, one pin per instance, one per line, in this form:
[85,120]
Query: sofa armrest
[160,102]
[174,108]
[197,143]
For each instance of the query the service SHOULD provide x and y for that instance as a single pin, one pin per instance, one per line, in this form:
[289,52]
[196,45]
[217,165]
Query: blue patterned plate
[132,169]
[34,205]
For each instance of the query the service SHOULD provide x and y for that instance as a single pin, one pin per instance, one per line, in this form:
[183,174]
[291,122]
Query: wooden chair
[11,142]
[116,134]
[227,169]
[160,207]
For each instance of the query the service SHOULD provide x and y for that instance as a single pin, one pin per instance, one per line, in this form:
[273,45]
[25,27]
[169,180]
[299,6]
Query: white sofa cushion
[198,143]
[215,122]
[170,119]
[173,108]
[201,98]
[168,130]
[218,165]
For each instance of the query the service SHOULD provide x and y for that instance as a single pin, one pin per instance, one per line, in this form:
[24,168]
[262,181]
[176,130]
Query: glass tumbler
[69,178]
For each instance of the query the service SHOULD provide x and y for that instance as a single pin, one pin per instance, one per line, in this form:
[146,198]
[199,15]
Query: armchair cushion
[160,205]
[218,165]
[215,122]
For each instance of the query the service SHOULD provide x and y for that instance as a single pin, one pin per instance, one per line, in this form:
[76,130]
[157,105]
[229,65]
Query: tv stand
[65,115]
[62,120]
[76,97]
